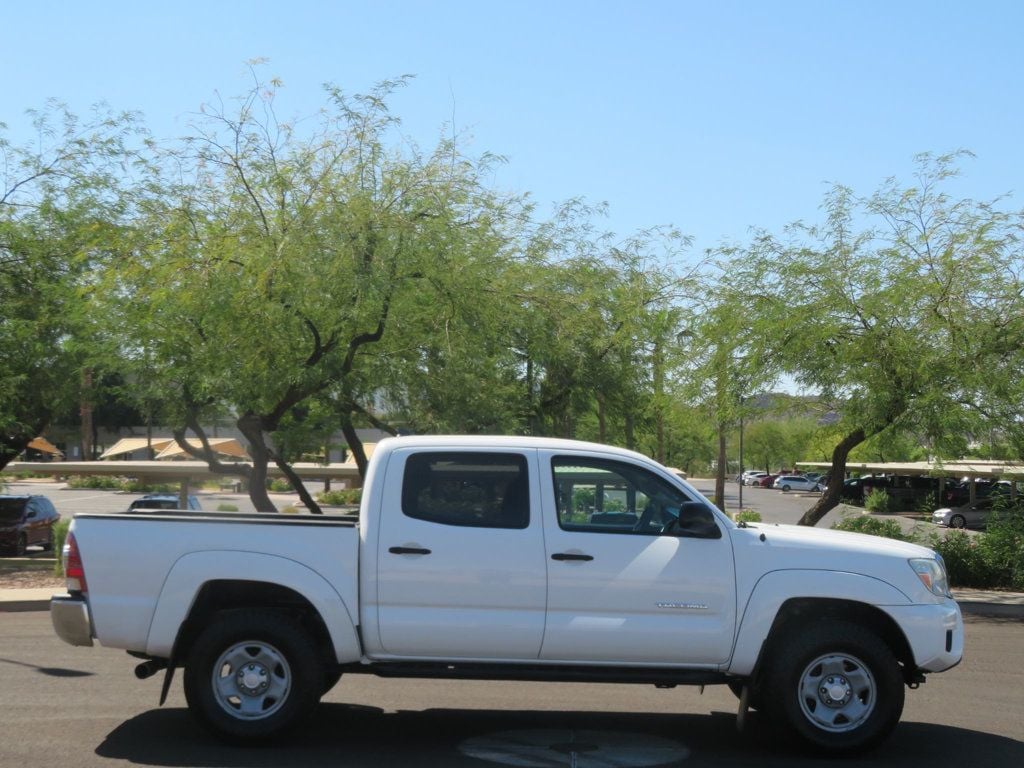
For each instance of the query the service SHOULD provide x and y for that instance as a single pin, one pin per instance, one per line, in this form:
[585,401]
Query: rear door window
[478,490]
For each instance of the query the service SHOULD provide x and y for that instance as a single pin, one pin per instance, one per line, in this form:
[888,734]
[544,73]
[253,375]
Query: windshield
[11,509]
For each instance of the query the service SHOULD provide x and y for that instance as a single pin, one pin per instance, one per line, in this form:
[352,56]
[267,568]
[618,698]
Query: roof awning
[132,444]
[43,445]
[226,446]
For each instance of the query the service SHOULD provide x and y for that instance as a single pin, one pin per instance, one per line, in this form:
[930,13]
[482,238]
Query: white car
[796,483]
[751,478]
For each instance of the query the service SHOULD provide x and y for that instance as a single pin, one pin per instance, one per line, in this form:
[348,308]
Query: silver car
[796,483]
[968,515]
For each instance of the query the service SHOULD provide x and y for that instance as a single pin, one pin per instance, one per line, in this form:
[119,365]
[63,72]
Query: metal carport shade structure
[973,470]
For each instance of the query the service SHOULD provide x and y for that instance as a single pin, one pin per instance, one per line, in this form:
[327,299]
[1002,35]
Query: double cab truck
[513,559]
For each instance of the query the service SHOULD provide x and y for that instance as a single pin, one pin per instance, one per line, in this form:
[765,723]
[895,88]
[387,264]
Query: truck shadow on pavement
[49,671]
[354,736]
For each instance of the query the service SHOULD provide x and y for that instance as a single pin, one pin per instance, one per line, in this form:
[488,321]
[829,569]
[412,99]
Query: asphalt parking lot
[83,707]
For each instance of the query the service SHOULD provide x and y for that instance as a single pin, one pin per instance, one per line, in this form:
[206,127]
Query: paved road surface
[65,706]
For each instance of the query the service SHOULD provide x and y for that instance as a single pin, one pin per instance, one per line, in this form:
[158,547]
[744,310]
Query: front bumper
[935,633]
[70,617]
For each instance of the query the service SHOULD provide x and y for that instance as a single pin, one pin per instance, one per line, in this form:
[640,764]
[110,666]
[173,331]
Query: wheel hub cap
[253,679]
[835,691]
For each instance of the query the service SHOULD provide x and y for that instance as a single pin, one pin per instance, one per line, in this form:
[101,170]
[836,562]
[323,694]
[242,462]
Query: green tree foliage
[292,264]
[61,211]
[879,308]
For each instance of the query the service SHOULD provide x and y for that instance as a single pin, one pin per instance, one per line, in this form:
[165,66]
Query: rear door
[638,570]
[460,555]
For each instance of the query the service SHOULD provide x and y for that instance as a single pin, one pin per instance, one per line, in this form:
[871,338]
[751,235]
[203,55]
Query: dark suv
[24,521]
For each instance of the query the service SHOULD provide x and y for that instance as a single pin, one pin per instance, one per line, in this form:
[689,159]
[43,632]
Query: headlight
[932,574]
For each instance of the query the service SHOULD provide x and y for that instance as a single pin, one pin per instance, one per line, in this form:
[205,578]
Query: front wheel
[957,521]
[785,488]
[837,686]
[252,675]
[21,547]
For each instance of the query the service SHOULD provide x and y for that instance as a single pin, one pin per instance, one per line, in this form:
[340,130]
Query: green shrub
[227,508]
[965,559]
[96,482]
[137,486]
[60,535]
[279,485]
[889,529]
[747,516]
[1002,545]
[291,509]
[342,497]
[131,485]
[877,501]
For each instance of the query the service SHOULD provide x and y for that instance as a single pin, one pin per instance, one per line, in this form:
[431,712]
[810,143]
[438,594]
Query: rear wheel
[253,675]
[836,686]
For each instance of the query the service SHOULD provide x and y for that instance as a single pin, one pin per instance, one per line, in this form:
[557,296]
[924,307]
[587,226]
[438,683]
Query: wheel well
[238,595]
[804,610]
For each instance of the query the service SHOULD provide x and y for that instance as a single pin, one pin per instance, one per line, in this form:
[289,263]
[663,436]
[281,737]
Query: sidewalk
[973,602]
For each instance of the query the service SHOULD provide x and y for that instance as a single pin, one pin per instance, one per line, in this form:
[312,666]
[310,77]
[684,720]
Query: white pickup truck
[513,559]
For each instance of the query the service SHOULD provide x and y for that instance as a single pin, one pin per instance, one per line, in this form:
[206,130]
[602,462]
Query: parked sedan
[767,481]
[795,483]
[753,478]
[24,521]
[970,515]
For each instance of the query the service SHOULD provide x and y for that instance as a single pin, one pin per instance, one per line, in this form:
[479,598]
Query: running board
[541,673]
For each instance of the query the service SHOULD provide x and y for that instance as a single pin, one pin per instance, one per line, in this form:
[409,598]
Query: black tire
[331,677]
[21,548]
[785,488]
[837,686]
[957,521]
[48,544]
[270,672]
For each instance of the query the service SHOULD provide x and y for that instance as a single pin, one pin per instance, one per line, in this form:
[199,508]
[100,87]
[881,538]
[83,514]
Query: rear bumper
[70,617]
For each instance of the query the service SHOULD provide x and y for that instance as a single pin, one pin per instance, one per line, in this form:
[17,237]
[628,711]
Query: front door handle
[570,556]
[409,551]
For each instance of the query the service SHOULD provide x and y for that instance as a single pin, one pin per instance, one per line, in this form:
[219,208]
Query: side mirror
[30,515]
[695,521]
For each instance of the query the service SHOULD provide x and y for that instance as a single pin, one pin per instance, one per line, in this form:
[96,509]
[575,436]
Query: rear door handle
[409,551]
[570,556]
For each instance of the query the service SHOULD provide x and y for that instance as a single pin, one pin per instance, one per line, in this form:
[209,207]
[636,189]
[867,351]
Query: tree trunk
[659,401]
[602,419]
[85,411]
[11,446]
[354,444]
[299,486]
[251,426]
[830,499]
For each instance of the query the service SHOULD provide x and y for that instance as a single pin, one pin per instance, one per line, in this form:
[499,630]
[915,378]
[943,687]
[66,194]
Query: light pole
[741,454]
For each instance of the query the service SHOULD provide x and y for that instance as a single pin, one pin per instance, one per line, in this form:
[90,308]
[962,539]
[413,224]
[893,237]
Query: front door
[629,581]
[460,560]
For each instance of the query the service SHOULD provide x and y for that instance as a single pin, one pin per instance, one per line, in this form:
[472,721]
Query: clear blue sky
[712,116]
